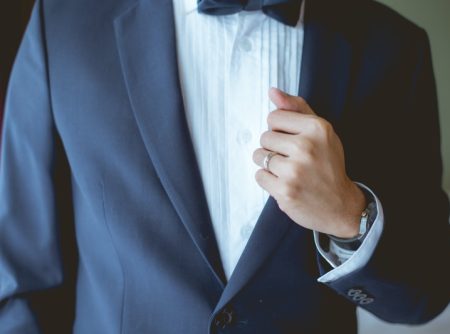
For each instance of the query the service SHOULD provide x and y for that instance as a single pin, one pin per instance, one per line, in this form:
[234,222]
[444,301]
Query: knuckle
[319,125]
[307,158]
[307,147]
[301,101]
[304,150]
[328,127]
[296,147]
[311,125]
[294,171]
[289,192]
[324,126]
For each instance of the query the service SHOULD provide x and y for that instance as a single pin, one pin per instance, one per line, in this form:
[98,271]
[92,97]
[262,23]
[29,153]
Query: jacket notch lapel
[327,59]
[145,35]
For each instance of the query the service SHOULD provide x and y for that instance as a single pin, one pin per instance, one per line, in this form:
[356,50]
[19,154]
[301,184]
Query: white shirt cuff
[356,259]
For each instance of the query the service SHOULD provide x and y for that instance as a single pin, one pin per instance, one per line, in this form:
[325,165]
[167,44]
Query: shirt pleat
[227,65]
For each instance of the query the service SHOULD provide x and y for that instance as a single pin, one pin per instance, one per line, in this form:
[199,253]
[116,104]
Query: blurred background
[432,15]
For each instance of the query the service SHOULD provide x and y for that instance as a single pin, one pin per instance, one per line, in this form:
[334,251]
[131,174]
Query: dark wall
[14,16]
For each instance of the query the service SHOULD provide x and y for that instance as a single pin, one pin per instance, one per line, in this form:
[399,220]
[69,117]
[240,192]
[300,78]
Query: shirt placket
[243,136]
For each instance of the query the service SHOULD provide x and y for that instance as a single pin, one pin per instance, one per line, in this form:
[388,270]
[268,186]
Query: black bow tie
[285,11]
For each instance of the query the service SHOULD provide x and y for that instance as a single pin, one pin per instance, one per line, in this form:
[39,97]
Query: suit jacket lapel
[327,59]
[324,82]
[271,226]
[147,48]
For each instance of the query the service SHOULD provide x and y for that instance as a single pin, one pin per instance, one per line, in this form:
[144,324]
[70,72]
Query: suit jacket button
[354,292]
[224,318]
[359,297]
[366,301]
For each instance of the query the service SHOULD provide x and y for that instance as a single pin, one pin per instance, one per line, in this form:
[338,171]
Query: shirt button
[244,137]
[245,44]
[246,231]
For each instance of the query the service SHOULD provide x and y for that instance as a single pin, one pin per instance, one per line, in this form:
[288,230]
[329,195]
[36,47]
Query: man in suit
[152,107]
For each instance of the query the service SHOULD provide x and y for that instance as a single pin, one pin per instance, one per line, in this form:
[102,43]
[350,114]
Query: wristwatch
[367,218]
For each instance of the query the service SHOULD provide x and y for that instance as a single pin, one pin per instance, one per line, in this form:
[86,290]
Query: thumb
[288,102]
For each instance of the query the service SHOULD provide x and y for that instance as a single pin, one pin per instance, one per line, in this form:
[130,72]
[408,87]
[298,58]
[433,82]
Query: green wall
[434,17]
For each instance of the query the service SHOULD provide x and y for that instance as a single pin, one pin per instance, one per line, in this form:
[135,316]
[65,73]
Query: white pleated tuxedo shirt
[227,65]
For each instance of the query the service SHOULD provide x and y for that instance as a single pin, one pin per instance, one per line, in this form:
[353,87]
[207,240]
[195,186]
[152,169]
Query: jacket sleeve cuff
[344,264]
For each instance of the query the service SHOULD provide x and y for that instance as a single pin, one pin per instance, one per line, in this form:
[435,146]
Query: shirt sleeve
[344,261]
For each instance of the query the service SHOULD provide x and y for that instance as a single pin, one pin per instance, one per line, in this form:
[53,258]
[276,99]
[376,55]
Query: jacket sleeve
[30,260]
[407,278]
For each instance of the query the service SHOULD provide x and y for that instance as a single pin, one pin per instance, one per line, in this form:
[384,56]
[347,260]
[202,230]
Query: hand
[307,176]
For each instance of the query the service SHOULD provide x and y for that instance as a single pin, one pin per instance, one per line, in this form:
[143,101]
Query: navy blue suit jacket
[101,197]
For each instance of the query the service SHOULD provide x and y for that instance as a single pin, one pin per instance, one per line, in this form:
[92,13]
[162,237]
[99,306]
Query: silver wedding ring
[267,159]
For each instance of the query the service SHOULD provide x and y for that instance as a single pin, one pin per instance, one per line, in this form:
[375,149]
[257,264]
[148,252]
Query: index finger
[287,121]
